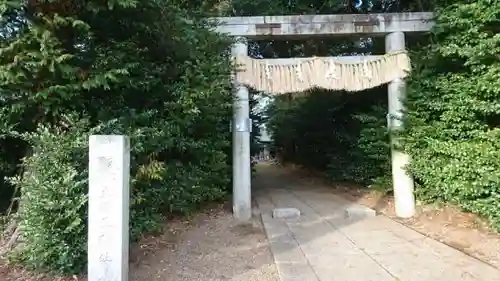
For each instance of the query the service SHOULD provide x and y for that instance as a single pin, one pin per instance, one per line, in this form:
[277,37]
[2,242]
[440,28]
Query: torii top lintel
[300,26]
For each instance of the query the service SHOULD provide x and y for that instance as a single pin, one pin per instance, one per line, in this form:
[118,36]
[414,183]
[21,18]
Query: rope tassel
[331,74]
[298,72]
[327,73]
[366,71]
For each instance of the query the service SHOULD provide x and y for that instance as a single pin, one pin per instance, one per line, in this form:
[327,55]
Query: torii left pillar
[241,128]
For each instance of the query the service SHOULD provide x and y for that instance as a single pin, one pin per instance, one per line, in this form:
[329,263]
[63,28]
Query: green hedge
[136,68]
[54,201]
[344,134]
[454,110]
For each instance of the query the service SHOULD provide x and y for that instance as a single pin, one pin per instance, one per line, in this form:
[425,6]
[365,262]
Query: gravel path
[211,247]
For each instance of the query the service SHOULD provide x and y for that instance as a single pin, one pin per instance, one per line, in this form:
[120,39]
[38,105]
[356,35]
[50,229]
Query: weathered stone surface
[108,219]
[286,213]
[323,245]
[358,212]
[299,26]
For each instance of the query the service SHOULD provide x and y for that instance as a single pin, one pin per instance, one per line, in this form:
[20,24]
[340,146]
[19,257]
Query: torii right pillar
[402,182]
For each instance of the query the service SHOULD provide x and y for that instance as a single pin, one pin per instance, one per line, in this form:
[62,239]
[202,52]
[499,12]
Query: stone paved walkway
[325,245]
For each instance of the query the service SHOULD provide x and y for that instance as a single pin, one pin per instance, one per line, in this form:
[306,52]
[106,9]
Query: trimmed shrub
[454,111]
[151,70]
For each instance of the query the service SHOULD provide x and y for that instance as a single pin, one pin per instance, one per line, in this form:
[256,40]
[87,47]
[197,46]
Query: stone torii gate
[297,27]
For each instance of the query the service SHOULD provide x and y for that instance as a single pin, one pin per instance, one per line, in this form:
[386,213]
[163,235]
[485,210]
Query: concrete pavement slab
[322,244]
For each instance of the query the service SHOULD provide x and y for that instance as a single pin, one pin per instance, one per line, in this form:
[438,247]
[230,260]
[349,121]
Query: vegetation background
[151,69]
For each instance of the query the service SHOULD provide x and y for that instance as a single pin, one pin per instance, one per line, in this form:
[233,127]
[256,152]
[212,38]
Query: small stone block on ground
[359,212]
[286,213]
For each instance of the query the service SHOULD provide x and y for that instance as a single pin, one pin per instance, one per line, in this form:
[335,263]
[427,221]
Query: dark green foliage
[374,146]
[454,113]
[54,188]
[134,67]
[342,133]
